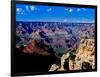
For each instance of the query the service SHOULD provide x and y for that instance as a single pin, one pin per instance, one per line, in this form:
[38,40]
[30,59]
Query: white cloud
[27,7]
[83,9]
[32,8]
[65,20]
[18,9]
[70,10]
[78,9]
[49,10]
[66,9]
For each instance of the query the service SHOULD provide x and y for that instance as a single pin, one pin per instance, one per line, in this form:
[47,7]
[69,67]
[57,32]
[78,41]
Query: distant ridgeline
[54,23]
[60,36]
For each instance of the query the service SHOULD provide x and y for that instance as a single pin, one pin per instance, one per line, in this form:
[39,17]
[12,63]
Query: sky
[44,13]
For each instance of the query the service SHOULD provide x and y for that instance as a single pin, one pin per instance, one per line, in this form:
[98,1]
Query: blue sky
[54,13]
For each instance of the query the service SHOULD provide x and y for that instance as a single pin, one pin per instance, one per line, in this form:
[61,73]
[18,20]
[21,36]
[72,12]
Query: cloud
[49,9]
[32,8]
[83,9]
[27,7]
[65,20]
[18,9]
[66,9]
[78,9]
[70,10]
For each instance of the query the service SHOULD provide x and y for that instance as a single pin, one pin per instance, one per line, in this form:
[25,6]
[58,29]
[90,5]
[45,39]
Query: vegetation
[72,57]
[86,66]
[66,64]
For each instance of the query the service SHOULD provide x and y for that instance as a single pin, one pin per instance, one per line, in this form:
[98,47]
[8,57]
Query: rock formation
[84,53]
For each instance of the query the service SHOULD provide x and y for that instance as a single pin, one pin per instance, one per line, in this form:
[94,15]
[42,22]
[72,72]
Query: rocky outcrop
[84,54]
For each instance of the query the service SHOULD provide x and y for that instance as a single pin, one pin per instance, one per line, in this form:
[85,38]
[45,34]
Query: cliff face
[86,53]
[84,57]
